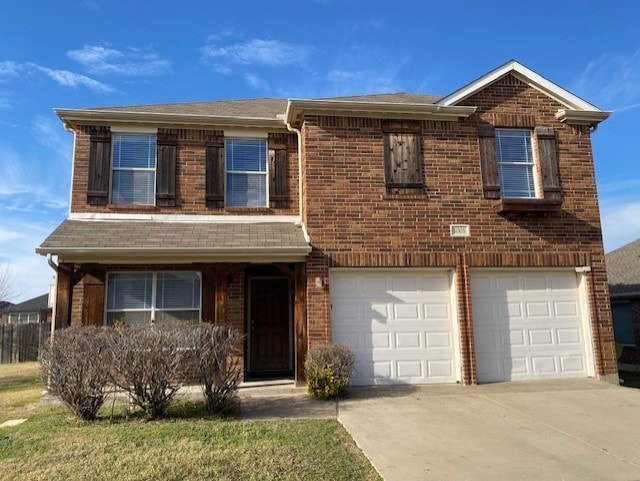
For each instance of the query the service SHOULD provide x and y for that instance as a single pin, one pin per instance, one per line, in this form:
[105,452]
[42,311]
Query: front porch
[251,276]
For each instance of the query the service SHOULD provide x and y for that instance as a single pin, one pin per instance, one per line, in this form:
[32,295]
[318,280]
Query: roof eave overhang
[582,117]
[74,117]
[298,108]
[143,255]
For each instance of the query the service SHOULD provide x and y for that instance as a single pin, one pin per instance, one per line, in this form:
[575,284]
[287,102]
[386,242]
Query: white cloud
[620,222]
[256,82]
[364,81]
[72,79]
[9,68]
[612,81]
[259,52]
[224,33]
[130,62]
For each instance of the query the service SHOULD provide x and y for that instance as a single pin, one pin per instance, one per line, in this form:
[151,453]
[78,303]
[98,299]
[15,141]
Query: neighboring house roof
[35,304]
[623,270]
[178,240]
[4,305]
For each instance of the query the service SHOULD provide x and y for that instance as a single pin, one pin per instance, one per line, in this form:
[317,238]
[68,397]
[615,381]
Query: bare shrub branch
[74,364]
[216,368]
[149,364]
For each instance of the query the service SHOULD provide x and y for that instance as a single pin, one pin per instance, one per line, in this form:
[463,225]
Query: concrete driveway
[561,430]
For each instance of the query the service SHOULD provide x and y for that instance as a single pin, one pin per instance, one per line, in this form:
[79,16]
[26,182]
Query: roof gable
[526,75]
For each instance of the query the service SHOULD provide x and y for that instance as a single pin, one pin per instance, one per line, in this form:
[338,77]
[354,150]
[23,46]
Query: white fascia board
[582,117]
[222,219]
[72,117]
[182,256]
[526,75]
[297,108]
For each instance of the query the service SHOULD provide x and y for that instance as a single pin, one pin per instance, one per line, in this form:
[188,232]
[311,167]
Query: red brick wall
[190,177]
[353,222]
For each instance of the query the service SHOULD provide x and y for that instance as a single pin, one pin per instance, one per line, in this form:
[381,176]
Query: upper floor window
[402,157]
[133,169]
[246,173]
[515,163]
[136,298]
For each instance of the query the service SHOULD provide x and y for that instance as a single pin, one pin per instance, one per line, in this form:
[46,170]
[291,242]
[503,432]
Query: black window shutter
[548,158]
[214,161]
[488,161]
[99,167]
[402,162]
[277,178]
[166,170]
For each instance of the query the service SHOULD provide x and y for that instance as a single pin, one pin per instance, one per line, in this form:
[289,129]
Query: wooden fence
[21,342]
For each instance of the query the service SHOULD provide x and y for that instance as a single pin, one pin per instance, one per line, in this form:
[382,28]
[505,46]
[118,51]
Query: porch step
[270,388]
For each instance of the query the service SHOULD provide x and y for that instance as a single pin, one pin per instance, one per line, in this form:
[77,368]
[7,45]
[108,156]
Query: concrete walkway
[560,430]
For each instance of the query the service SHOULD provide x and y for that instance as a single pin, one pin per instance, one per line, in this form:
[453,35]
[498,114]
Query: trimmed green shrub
[328,370]
[74,364]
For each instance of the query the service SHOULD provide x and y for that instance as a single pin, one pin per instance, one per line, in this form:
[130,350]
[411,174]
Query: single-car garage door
[528,325]
[400,324]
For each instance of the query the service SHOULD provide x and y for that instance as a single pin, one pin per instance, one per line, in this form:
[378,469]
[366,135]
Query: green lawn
[51,445]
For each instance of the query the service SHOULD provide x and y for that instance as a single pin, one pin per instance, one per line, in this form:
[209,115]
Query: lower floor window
[137,298]
[23,317]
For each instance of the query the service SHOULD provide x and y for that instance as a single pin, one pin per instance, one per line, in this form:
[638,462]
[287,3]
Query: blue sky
[89,53]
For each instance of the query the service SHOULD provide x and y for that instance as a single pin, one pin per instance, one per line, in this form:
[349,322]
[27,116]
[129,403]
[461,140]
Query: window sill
[527,205]
[248,210]
[137,207]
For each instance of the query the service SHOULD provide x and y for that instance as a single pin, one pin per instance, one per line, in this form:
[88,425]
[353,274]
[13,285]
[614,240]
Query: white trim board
[528,76]
[229,219]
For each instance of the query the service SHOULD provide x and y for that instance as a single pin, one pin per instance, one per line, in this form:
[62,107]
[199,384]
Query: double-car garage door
[402,326]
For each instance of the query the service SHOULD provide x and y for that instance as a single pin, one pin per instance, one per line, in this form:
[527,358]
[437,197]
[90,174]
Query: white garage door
[398,323]
[528,326]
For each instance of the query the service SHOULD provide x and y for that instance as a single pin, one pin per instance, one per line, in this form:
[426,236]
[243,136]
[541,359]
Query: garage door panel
[400,334]
[568,336]
[407,311]
[409,340]
[538,329]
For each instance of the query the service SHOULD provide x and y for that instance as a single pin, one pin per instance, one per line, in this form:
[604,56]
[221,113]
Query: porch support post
[93,297]
[222,283]
[300,320]
[208,293]
[64,291]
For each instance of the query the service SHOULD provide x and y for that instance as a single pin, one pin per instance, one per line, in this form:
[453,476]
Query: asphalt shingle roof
[156,235]
[260,108]
[35,304]
[623,269]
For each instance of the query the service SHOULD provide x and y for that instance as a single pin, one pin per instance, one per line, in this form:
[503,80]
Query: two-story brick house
[444,239]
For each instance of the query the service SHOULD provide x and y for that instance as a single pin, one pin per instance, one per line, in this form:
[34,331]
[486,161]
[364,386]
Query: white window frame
[135,133]
[238,136]
[24,317]
[154,287]
[532,164]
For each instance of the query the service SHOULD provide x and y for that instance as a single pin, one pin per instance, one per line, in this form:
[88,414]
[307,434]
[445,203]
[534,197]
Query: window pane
[134,151]
[517,181]
[128,318]
[179,290]
[247,190]
[133,187]
[623,324]
[178,316]
[246,155]
[129,291]
[513,146]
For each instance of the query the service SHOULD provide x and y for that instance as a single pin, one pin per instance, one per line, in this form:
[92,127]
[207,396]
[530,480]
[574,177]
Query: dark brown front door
[269,350]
